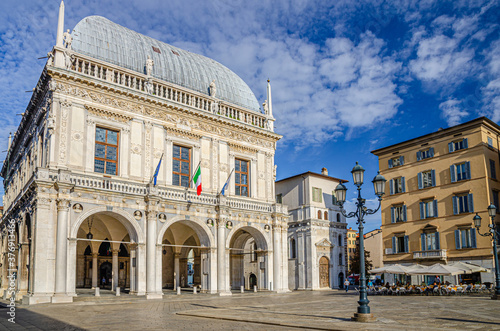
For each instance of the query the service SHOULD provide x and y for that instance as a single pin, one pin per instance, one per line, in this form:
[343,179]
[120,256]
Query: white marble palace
[80,184]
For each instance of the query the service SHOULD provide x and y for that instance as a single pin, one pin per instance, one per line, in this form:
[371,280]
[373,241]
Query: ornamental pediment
[324,243]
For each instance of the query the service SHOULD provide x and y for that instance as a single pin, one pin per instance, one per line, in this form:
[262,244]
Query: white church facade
[316,231]
[99,175]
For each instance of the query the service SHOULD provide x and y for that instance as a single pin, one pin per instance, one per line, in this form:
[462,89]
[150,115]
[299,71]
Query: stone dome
[102,39]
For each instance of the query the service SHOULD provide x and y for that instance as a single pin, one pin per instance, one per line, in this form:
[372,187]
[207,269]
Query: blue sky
[347,76]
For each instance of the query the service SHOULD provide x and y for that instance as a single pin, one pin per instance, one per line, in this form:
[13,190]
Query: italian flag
[197,180]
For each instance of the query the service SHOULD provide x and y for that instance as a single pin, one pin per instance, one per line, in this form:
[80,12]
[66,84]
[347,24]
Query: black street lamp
[363,314]
[492,211]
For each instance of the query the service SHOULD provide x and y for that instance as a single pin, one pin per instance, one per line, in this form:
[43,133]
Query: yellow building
[351,246]
[435,185]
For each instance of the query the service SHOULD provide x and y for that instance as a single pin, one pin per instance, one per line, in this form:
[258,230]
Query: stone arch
[199,227]
[260,237]
[125,218]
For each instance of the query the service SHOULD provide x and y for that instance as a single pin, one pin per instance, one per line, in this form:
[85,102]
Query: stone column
[61,252]
[133,262]
[94,270]
[114,268]
[284,256]
[150,257]
[276,257]
[177,275]
[221,257]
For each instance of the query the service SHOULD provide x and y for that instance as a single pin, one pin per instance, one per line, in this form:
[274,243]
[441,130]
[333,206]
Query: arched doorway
[247,257]
[341,280]
[185,256]
[105,275]
[324,272]
[252,281]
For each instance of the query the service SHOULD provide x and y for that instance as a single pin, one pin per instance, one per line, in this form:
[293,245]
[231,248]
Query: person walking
[346,284]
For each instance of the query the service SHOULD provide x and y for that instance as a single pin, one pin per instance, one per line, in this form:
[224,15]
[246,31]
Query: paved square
[321,310]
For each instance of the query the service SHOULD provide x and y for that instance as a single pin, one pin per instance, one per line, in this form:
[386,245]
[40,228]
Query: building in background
[350,246]
[373,244]
[316,231]
[436,184]
[98,175]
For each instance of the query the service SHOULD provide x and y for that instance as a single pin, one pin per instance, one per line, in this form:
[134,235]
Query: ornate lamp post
[492,211]
[363,314]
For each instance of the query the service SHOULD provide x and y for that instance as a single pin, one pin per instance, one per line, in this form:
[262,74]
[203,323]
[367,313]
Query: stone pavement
[318,310]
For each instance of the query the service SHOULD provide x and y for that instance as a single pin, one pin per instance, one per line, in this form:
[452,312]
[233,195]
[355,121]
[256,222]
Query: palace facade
[99,175]
[316,231]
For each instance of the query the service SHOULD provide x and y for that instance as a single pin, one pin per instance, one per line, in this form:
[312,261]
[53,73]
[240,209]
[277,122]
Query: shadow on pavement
[462,320]
[265,310]
[26,319]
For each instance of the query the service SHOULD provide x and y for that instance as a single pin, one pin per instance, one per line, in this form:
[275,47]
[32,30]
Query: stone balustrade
[164,90]
[439,254]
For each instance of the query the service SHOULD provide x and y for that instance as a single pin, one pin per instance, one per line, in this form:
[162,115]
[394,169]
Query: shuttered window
[317,194]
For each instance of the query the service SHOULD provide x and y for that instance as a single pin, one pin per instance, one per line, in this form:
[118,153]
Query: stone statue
[149,65]
[50,58]
[213,89]
[149,86]
[69,58]
[67,39]
[266,108]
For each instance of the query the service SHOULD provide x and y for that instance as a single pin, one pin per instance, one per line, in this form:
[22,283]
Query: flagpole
[227,180]
[154,171]
[191,177]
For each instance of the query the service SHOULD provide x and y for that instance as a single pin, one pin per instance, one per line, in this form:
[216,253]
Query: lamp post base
[494,297]
[364,318]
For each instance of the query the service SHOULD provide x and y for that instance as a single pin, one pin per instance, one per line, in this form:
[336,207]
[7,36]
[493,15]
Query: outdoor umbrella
[437,269]
[391,269]
[468,268]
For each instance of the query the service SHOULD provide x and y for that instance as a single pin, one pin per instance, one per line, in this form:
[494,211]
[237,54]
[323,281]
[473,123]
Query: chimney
[324,171]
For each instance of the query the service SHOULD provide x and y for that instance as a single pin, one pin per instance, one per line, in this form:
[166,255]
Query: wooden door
[324,272]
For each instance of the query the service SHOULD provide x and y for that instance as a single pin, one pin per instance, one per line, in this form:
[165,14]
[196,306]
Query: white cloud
[452,111]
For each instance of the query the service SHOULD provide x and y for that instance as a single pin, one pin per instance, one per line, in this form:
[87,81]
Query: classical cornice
[108,114]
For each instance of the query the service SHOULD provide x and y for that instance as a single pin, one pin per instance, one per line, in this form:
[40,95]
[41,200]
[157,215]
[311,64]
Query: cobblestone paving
[322,310]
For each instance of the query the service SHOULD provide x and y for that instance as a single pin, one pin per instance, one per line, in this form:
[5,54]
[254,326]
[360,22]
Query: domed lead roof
[102,39]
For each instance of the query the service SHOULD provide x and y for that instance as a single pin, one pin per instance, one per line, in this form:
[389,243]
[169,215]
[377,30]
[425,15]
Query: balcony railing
[130,79]
[432,254]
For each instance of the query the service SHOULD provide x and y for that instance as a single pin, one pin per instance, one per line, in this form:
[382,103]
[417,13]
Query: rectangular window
[317,194]
[490,142]
[426,179]
[460,172]
[397,185]
[495,198]
[181,166]
[400,244]
[458,145]
[493,170]
[428,209]
[465,238]
[430,241]
[398,214]
[463,203]
[279,198]
[241,177]
[396,162]
[425,154]
[106,151]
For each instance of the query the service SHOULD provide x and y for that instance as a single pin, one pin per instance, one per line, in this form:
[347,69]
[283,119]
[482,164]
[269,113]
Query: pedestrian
[370,284]
[346,284]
